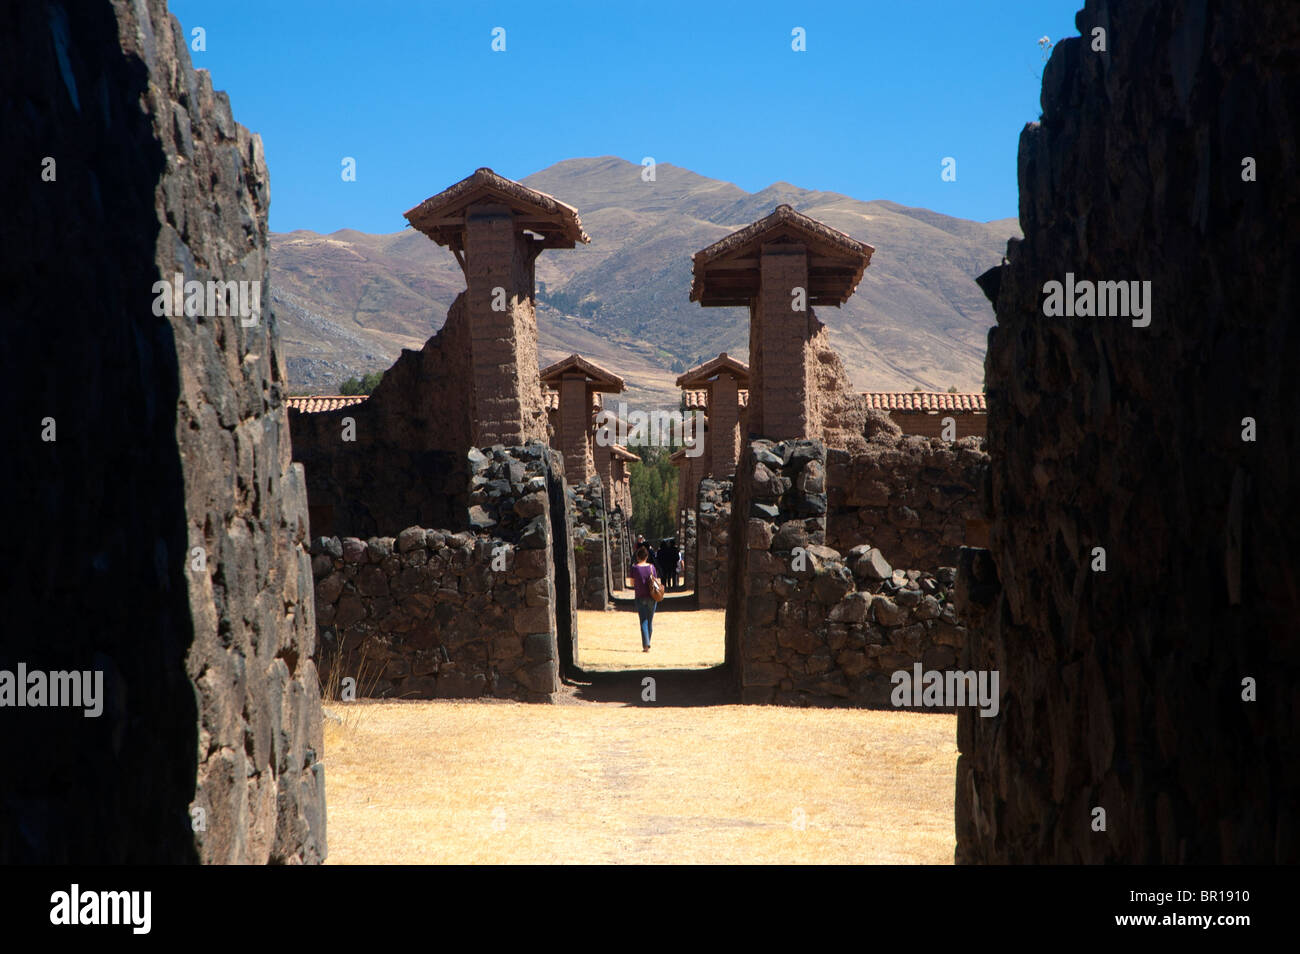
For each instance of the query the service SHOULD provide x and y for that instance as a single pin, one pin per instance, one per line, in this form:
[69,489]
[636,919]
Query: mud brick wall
[406,464]
[815,627]
[1123,689]
[836,410]
[439,614]
[713,530]
[926,424]
[908,496]
[170,435]
[590,546]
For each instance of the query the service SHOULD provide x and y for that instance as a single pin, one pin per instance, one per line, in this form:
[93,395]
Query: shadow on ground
[673,688]
[678,601]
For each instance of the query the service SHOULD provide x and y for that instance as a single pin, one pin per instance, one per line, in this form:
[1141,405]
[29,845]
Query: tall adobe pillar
[578,381]
[780,267]
[723,378]
[496,228]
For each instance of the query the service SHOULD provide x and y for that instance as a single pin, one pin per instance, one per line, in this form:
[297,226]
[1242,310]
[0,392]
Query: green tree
[654,492]
[363,385]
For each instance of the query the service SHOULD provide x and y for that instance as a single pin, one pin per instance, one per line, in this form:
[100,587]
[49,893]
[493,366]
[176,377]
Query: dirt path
[683,638]
[489,782]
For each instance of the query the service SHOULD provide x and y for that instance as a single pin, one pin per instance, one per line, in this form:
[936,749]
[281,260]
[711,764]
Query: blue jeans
[645,611]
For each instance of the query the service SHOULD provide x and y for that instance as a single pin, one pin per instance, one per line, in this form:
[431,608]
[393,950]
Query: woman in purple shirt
[642,572]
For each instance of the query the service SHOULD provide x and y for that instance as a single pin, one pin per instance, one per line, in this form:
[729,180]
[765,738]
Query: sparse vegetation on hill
[366,384]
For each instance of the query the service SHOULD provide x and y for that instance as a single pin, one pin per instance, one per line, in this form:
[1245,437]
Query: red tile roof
[552,399]
[441,217]
[700,399]
[723,362]
[599,378]
[925,401]
[315,403]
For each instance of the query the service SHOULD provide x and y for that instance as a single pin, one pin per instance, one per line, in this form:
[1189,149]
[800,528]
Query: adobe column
[575,429]
[781,376]
[605,468]
[724,424]
[503,345]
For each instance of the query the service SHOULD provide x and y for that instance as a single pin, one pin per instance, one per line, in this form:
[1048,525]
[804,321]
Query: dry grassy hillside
[348,302]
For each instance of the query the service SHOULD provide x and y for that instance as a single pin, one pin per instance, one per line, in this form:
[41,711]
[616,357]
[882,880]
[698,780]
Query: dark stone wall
[688,544]
[563,561]
[1123,689]
[591,545]
[437,614]
[164,527]
[620,556]
[713,531]
[806,625]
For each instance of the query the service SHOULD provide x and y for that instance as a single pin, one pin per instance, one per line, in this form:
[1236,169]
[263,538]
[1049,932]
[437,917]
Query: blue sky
[415,94]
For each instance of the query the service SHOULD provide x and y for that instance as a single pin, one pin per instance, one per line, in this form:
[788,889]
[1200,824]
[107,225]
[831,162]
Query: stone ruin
[165,526]
[597,474]
[395,619]
[439,614]
[779,268]
[1162,690]
[724,382]
[912,498]
[429,585]
[167,509]
[475,383]
[806,624]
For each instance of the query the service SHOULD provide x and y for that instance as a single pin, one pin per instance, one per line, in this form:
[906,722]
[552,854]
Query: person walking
[642,572]
[642,545]
[666,563]
[675,557]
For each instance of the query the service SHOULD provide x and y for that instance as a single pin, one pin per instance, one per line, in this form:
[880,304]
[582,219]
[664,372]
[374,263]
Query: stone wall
[590,545]
[713,530]
[164,526]
[1126,689]
[807,625]
[688,544]
[620,552]
[911,497]
[438,614]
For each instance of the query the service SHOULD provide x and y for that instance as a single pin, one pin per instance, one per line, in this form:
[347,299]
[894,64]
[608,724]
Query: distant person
[666,563]
[642,573]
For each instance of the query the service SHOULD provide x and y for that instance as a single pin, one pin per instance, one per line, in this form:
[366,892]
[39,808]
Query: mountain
[349,301]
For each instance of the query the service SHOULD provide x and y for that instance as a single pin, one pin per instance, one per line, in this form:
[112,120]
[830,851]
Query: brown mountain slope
[347,302]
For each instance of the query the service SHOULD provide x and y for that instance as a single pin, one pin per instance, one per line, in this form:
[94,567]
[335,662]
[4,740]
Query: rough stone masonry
[1162,690]
[163,527]
[434,613]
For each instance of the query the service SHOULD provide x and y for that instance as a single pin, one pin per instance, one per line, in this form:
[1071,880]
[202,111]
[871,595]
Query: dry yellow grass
[503,782]
[609,642]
